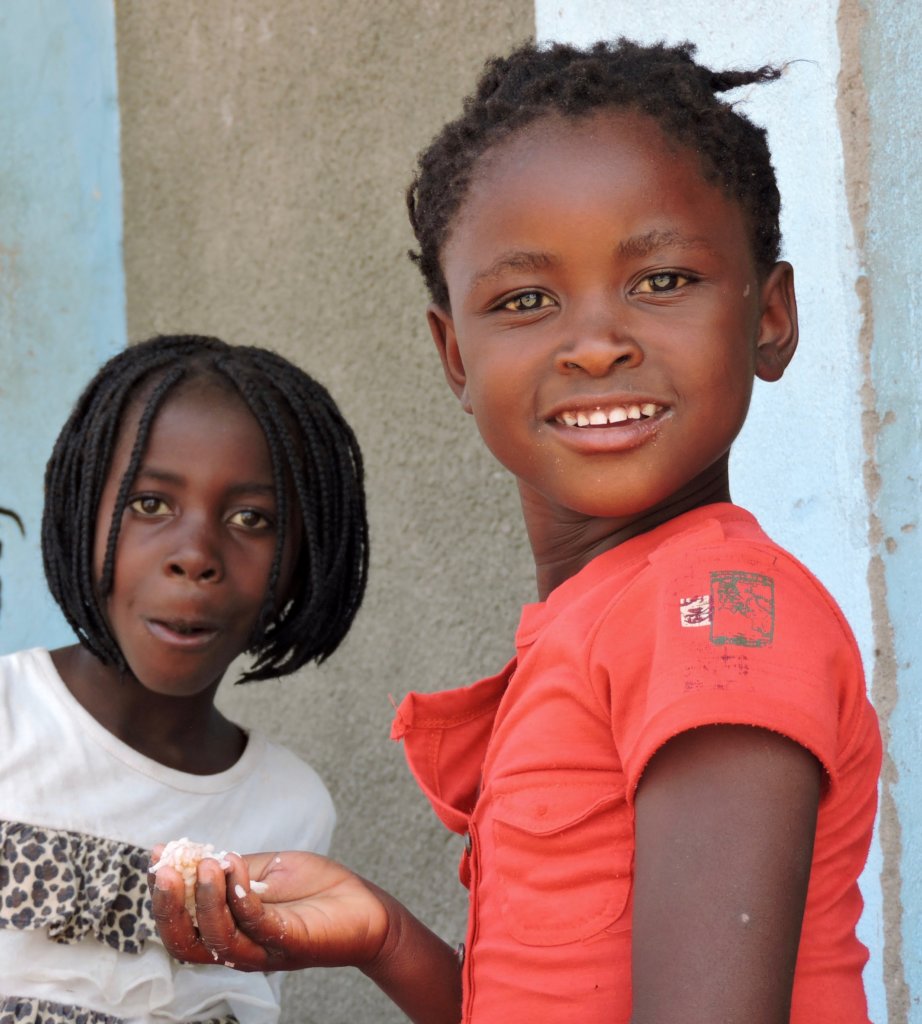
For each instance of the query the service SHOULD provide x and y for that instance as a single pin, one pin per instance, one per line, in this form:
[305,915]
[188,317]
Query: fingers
[260,924]
[214,937]
[217,925]
[173,922]
[275,927]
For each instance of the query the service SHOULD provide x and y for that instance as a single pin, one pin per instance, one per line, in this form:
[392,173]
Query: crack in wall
[853,111]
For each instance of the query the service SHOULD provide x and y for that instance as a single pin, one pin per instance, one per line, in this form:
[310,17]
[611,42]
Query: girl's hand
[315,913]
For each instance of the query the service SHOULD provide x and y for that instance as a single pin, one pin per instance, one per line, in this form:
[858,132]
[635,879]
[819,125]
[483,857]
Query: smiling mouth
[605,417]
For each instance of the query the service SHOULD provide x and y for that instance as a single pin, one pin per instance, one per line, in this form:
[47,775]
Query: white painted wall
[798,462]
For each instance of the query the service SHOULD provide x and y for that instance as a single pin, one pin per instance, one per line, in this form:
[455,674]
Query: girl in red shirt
[668,794]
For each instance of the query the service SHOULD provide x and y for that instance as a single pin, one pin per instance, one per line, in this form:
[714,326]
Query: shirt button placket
[467,947]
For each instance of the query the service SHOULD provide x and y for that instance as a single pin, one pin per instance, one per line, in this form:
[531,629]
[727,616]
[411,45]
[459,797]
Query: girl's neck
[187,734]
[563,542]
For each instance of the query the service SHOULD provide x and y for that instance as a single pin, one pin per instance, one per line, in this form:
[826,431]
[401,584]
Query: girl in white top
[203,500]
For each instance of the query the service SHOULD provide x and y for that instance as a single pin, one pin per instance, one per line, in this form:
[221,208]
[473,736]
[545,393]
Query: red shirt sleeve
[734,632]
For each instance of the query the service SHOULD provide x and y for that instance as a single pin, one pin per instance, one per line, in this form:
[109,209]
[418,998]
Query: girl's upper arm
[725,823]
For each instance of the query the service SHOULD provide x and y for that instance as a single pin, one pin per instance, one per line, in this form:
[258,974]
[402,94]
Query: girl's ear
[442,327]
[777,340]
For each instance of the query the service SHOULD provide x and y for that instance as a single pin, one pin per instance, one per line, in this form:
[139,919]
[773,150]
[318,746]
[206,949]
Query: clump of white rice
[184,856]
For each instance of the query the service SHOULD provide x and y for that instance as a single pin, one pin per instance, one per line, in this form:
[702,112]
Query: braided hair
[317,473]
[663,82]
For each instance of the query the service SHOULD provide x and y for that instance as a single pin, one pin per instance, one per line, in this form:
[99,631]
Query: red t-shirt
[703,620]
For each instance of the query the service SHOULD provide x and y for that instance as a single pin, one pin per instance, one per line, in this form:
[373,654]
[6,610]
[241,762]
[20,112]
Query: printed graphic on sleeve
[742,609]
[695,611]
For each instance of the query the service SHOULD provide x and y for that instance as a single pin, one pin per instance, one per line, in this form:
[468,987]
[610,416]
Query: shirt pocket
[564,856]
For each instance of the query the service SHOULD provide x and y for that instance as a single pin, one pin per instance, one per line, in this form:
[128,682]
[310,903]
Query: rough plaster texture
[890,45]
[266,148]
[855,126]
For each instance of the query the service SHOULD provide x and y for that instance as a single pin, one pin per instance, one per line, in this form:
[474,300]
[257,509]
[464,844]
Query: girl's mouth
[605,417]
[182,633]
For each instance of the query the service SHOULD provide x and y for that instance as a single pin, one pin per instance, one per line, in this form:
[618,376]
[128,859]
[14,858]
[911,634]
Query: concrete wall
[265,147]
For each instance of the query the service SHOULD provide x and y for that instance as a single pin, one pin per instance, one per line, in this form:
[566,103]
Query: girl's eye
[664,281]
[148,505]
[525,302]
[250,519]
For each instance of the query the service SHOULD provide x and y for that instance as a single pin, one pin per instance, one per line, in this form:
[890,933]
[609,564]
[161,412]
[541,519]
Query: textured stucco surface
[891,59]
[266,147]
[856,78]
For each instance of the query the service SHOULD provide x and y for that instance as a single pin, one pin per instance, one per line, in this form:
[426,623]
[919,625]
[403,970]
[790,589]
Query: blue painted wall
[62,308]
[892,64]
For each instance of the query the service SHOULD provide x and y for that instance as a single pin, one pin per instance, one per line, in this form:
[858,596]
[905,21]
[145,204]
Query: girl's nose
[196,557]
[598,346]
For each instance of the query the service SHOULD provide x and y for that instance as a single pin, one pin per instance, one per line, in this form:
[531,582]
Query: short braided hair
[316,467]
[663,82]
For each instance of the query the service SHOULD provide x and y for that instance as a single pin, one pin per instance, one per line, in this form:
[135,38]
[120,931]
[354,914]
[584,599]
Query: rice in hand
[184,856]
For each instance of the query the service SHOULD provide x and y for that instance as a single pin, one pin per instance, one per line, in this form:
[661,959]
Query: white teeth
[600,418]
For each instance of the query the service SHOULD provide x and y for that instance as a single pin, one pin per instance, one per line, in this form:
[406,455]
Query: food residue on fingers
[184,856]
[258,887]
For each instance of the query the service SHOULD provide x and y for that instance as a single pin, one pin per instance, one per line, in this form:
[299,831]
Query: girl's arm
[315,913]
[725,823]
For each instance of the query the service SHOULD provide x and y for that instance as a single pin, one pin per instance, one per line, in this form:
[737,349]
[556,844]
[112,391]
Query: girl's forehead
[202,389]
[188,406]
[568,140]
[616,153]
[612,148]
